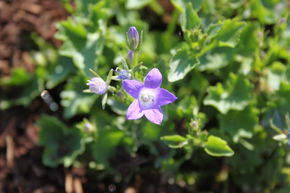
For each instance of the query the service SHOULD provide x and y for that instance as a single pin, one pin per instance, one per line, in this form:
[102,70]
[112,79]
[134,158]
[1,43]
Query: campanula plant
[226,61]
[149,97]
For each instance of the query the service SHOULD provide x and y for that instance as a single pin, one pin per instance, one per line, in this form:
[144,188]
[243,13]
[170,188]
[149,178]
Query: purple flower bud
[97,85]
[133,38]
[130,57]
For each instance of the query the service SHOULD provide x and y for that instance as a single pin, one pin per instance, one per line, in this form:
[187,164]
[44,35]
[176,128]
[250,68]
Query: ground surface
[21,169]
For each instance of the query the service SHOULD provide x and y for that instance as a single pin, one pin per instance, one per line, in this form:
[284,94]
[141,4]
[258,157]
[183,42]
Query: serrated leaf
[217,147]
[226,33]
[61,144]
[229,33]
[81,46]
[239,124]
[189,19]
[181,64]
[235,94]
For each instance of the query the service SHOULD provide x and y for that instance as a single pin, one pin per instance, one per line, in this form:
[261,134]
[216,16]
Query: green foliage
[61,144]
[235,94]
[228,63]
[239,124]
[79,44]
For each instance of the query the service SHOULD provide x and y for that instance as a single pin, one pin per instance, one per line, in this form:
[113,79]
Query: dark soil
[20,18]
[21,168]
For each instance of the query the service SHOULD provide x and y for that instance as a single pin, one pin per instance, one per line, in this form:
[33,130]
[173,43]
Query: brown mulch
[21,168]
[18,18]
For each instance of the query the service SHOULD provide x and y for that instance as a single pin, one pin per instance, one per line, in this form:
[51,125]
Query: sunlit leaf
[181,64]
[216,146]
[235,94]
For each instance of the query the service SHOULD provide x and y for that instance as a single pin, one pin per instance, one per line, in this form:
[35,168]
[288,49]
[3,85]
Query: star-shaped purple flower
[148,97]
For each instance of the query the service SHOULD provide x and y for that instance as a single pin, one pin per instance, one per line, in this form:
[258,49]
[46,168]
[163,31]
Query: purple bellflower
[148,97]
[133,38]
[97,85]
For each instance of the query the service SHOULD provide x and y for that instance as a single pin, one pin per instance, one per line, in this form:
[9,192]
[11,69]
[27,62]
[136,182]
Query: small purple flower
[133,38]
[123,74]
[148,97]
[97,85]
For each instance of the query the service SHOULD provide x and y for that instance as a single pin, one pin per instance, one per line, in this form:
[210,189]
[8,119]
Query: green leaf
[239,124]
[25,94]
[60,72]
[74,100]
[217,147]
[278,109]
[61,144]
[181,64]
[151,132]
[189,19]
[235,94]
[229,33]
[226,33]
[117,107]
[180,5]
[175,141]
[18,76]
[137,4]
[276,74]
[173,138]
[217,58]
[81,46]
[249,41]
[106,142]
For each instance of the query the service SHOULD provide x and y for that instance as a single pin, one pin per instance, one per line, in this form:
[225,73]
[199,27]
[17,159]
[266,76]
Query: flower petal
[153,79]
[134,111]
[154,115]
[132,87]
[165,97]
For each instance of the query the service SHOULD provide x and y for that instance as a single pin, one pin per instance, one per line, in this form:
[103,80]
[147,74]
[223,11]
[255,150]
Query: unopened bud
[133,38]
[97,85]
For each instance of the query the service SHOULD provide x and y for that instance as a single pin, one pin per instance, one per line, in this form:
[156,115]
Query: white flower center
[147,98]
